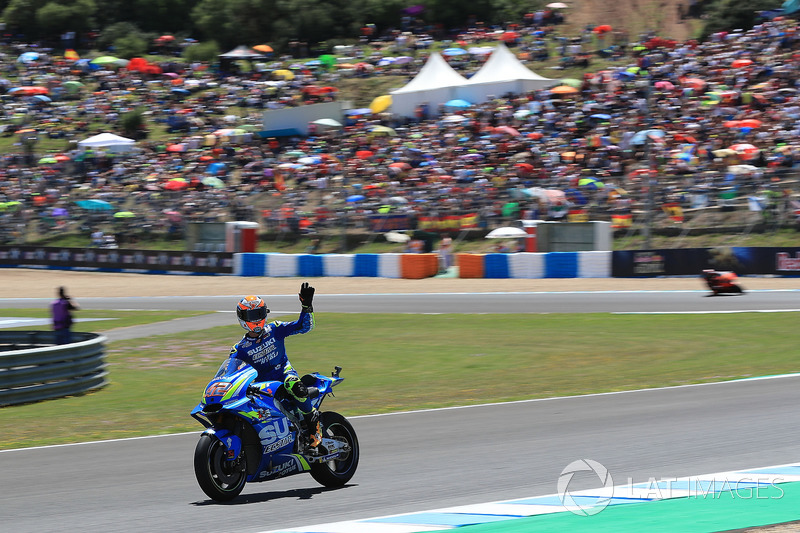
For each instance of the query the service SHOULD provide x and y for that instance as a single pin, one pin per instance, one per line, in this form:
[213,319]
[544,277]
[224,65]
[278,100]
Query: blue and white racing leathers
[267,352]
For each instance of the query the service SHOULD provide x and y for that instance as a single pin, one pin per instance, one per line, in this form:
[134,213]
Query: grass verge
[401,362]
[111,319]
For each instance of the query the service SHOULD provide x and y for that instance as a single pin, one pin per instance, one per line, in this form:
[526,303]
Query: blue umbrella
[28,57]
[214,168]
[41,98]
[360,111]
[457,103]
[355,198]
[454,52]
[640,137]
[95,205]
[180,91]
[602,116]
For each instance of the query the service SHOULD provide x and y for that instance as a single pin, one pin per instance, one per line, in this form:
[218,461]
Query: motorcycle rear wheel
[337,472]
[219,479]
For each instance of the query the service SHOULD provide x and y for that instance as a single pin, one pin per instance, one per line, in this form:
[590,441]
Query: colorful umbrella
[563,89]
[381,103]
[383,130]
[591,183]
[214,182]
[285,74]
[95,205]
[458,102]
[451,52]
[105,60]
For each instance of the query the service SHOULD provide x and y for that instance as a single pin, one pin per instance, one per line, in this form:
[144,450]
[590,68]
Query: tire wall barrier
[32,368]
[418,266]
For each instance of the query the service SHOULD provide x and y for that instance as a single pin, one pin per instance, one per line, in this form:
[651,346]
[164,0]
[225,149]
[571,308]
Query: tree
[727,15]
[133,123]
[130,46]
[207,51]
[116,31]
[55,18]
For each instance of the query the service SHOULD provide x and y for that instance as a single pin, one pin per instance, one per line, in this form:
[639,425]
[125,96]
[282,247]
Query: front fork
[232,442]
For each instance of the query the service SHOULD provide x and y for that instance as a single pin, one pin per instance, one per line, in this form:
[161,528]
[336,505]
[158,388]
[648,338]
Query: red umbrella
[28,90]
[402,166]
[603,28]
[137,64]
[364,154]
[176,185]
[176,148]
[750,123]
[739,63]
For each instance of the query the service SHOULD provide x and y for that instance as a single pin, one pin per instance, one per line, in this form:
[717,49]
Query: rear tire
[218,478]
[337,472]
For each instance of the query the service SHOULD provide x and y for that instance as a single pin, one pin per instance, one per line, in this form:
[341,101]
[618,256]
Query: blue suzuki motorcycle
[253,433]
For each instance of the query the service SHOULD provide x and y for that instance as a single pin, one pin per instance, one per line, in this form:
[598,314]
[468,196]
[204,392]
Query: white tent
[435,84]
[109,141]
[502,73]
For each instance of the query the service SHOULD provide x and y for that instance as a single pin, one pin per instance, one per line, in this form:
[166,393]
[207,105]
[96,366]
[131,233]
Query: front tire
[221,480]
[337,472]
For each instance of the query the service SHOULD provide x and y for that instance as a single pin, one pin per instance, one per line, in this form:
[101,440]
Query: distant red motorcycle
[722,282]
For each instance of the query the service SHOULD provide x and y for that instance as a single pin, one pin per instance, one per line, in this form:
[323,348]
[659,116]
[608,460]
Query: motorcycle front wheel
[221,480]
[337,472]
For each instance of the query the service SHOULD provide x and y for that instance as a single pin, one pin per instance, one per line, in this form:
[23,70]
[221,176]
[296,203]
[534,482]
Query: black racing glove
[307,297]
[295,387]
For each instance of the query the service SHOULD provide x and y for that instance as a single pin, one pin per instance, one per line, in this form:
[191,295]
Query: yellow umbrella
[285,74]
[381,103]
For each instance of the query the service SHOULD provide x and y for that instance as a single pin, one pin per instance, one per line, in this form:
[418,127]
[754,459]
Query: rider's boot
[314,429]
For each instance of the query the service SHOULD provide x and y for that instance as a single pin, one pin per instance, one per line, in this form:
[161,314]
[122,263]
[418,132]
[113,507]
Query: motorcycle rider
[263,348]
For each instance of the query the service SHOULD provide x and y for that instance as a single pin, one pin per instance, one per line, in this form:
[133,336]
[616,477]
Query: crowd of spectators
[692,124]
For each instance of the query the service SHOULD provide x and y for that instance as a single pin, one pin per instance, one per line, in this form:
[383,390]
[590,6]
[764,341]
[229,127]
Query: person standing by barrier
[62,316]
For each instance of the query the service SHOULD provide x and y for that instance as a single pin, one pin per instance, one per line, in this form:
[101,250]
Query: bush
[132,123]
[206,51]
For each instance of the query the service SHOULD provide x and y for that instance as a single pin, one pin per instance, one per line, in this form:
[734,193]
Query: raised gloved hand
[307,297]
[295,387]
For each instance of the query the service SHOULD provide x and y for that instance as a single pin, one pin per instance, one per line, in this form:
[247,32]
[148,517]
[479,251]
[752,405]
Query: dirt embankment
[634,17]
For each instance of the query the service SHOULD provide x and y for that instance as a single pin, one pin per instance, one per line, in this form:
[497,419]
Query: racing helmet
[252,313]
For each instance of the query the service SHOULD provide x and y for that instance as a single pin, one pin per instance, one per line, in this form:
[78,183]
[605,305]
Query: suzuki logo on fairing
[274,431]
[283,469]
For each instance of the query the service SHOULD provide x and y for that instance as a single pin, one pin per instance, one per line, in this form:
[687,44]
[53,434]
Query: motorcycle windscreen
[230,366]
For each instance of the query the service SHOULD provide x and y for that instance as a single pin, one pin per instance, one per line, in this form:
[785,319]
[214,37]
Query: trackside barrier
[589,264]
[32,368]
[470,265]
[418,266]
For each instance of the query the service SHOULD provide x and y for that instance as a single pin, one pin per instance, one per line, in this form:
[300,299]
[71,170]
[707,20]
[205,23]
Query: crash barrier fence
[417,266]
[580,264]
[584,264]
[34,368]
[116,260]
